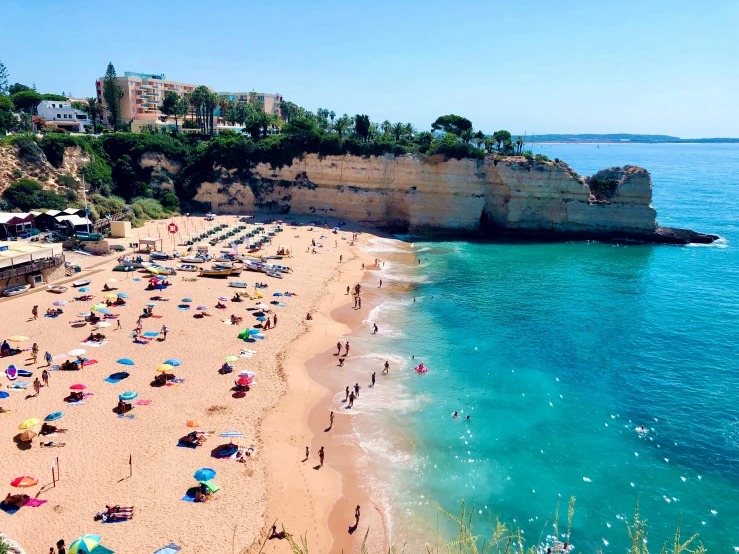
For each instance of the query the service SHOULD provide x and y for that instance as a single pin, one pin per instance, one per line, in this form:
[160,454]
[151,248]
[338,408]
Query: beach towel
[125,416]
[177,380]
[19,385]
[151,334]
[51,316]
[183,444]
[8,509]
[189,496]
[35,502]
[212,487]
[157,316]
[53,368]
[142,402]
[93,343]
[76,403]
[89,362]
[141,341]
[171,548]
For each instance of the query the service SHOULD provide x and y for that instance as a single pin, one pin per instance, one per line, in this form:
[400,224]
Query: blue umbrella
[259,336]
[84,289]
[104,311]
[128,395]
[187,300]
[277,294]
[261,318]
[137,278]
[3,394]
[174,362]
[54,416]
[122,295]
[253,332]
[204,474]
[125,361]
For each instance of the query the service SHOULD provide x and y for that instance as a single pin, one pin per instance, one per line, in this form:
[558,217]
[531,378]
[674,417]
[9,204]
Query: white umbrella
[246,373]
[101,325]
[262,306]
[112,280]
[76,352]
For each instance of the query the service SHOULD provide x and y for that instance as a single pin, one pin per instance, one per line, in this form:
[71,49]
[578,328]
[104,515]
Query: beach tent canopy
[149,241]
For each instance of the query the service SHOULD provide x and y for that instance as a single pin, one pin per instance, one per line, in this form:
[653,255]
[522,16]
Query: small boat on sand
[186,267]
[215,272]
[195,259]
[58,289]
[81,283]
[15,291]
[238,285]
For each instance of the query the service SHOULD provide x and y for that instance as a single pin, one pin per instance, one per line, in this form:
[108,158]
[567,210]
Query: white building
[63,115]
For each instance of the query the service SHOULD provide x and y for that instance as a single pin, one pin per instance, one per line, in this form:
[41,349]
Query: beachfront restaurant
[13,225]
[23,262]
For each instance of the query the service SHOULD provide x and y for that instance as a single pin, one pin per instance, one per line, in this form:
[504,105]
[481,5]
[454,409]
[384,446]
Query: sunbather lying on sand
[16,499]
[52,444]
[47,429]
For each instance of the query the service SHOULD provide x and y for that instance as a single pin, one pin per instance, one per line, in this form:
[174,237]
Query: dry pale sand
[94,464]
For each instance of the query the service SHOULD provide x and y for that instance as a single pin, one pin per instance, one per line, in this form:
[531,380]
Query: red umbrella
[78,387]
[154,280]
[24,482]
[244,381]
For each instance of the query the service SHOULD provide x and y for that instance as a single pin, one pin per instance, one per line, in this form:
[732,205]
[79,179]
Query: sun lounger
[19,385]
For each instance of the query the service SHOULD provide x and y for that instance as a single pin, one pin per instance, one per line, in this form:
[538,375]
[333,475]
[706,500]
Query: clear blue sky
[577,66]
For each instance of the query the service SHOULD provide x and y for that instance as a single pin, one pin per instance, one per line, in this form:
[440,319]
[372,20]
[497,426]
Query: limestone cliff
[415,194]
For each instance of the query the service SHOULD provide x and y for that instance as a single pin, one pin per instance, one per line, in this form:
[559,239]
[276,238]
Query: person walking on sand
[347,394]
[45,377]
[118,326]
[34,313]
[380,284]
[347,289]
[360,302]
[37,386]
[375,329]
[307,453]
[356,389]
[347,348]
[34,352]
[374,376]
[387,368]
[275,320]
[341,258]
[331,420]
[356,517]
[351,399]
[321,454]
[338,348]
[48,358]
[165,329]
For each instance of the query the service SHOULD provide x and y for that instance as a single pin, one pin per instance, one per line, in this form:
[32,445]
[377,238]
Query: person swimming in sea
[455,415]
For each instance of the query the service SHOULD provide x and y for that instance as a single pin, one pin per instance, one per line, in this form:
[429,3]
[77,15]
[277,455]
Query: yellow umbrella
[29,423]
[230,358]
[111,296]
[17,338]
[164,368]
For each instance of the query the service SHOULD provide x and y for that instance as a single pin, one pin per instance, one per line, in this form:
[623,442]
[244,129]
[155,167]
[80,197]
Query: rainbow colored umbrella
[86,543]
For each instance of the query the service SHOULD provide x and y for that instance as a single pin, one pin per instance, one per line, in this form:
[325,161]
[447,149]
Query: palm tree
[93,109]
[331,116]
[466,135]
[398,130]
[387,127]
[342,124]
[409,130]
[519,144]
[210,101]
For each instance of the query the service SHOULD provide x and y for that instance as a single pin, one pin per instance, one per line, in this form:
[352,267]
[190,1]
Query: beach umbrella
[230,358]
[17,338]
[28,435]
[97,307]
[125,361]
[259,336]
[84,314]
[187,299]
[277,294]
[76,352]
[28,424]
[194,423]
[24,482]
[86,544]
[151,304]
[128,395]
[247,373]
[201,308]
[84,289]
[154,280]
[104,311]
[262,318]
[174,362]
[164,368]
[78,386]
[111,280]
[60,303]
[101,325]
[262,306]
[54,416]
[111,296]
[122,295]
[4,394]
[244,381]
[222,298]
[204,474]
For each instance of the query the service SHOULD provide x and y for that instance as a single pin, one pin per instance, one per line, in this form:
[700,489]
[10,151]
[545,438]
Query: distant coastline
[624,138]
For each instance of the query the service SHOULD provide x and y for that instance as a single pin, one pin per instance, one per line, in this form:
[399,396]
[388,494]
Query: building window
[58,116]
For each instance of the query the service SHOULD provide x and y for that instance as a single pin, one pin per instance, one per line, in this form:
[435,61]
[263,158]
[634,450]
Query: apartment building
[271,101]
[142,95]
[63,116]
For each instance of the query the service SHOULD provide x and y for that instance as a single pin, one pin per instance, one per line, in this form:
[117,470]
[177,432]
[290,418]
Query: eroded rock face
[163,169]
[418,194]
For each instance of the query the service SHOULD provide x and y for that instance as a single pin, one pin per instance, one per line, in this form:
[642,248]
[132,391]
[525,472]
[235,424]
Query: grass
[506,539]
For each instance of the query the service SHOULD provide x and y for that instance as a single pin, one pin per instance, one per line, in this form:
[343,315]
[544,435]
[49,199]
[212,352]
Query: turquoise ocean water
[558,352]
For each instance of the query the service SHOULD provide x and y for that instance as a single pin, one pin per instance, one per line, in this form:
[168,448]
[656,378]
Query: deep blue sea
[558,352]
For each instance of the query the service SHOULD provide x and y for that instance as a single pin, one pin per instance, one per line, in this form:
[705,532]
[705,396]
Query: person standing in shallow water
[356,517]
[338,348]
[374,376]
[331,420]
[386,368]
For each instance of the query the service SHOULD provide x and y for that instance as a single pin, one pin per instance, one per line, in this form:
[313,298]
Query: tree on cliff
[26,100]
[112,94]
[519,144]
[175,106]
[362,127]
[451,123]
[342,124]
[500,137]
[3,79]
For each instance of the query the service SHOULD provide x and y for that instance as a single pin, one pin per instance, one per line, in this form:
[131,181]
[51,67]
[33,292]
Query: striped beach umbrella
[86,544]
[24,482]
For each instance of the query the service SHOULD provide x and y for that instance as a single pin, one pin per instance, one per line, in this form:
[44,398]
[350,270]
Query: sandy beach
[279,416]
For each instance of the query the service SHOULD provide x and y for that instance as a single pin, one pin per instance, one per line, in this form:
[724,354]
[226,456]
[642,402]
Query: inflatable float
[420,368]
[11,372]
